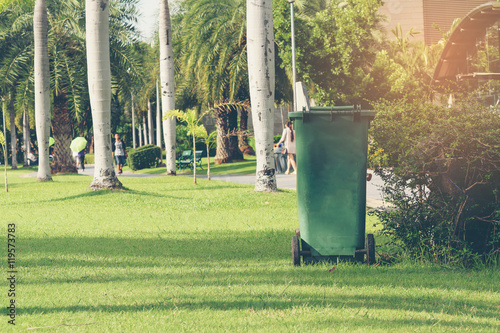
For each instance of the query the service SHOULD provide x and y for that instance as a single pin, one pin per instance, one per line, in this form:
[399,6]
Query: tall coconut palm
[260,42]
[42,89]
[99,78]
[167,85]
[214,62]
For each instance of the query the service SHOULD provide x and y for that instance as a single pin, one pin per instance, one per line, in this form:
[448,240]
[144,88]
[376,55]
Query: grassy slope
[167,255]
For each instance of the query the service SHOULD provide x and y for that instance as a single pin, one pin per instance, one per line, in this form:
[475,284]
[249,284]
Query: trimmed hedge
[89,159]
[147,156]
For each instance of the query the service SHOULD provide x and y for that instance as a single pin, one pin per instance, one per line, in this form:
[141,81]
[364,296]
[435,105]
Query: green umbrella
[51,141]
[78,144]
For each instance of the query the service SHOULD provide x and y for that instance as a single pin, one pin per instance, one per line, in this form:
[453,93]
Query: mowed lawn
[170,256]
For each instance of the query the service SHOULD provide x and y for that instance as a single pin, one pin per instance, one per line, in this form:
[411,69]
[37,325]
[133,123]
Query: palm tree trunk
[167,84]
[208,161]
[26,137]
[134,145]
[99,77]
[5,168]
[140,135]
[145,127]
[62,130]
[242,138]
[232,125]
[3,121]
[222,154]
[261,78]
[13,136]
[158,119]
[194,158]
[158,122]
[150,123]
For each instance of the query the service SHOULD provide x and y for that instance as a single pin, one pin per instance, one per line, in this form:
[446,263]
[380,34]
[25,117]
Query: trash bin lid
[332,111]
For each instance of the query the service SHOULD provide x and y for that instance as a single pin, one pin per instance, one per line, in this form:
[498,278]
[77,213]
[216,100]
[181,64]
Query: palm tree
[167,84]
[67,63]
[227,133]
[42,89]
[260,38]
[99,77]
[214,66]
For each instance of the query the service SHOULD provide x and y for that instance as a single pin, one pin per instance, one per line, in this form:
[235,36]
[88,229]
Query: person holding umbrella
[78,146]
[119,153]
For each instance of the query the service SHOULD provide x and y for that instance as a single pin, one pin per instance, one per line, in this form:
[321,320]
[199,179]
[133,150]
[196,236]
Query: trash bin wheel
[295,251]
[370,249]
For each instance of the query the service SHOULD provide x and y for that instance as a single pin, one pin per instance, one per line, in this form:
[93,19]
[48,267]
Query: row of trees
[342,54]
[63,27]
[60,38]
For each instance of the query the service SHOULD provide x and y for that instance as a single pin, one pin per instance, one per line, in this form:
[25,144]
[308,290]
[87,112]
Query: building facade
[423,15]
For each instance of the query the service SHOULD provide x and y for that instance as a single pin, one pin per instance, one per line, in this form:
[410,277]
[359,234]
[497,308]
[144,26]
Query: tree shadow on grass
[212,254]
[209,188]
[251,261]
[358,308]
[153,194]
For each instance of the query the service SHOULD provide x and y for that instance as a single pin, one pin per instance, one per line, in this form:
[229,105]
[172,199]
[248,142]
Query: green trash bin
[332,145]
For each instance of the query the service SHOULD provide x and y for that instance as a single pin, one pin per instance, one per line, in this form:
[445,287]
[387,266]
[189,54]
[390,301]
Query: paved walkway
[373,193]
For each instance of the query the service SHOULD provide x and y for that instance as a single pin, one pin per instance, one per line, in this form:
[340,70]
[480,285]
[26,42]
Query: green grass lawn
[169,256]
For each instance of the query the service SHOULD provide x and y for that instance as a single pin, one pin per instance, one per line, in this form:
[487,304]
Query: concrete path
[373,192]
[373,187]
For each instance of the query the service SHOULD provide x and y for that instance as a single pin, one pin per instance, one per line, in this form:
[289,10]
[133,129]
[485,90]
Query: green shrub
[183,141]
[89,159]
[147,156]
[445,183]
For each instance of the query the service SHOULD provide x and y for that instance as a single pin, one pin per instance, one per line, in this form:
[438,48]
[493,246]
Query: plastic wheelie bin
[332,145]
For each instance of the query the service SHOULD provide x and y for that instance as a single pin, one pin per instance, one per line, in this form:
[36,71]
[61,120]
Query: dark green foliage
[147,156]
[336,45]
[445,183]
[182,139]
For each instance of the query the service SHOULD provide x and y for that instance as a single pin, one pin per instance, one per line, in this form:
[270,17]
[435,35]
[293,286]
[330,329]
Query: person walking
[76,158]
[288,137]
[81,159]
[119,153]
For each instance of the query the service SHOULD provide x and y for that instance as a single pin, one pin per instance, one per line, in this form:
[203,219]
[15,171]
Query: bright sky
[149,10]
